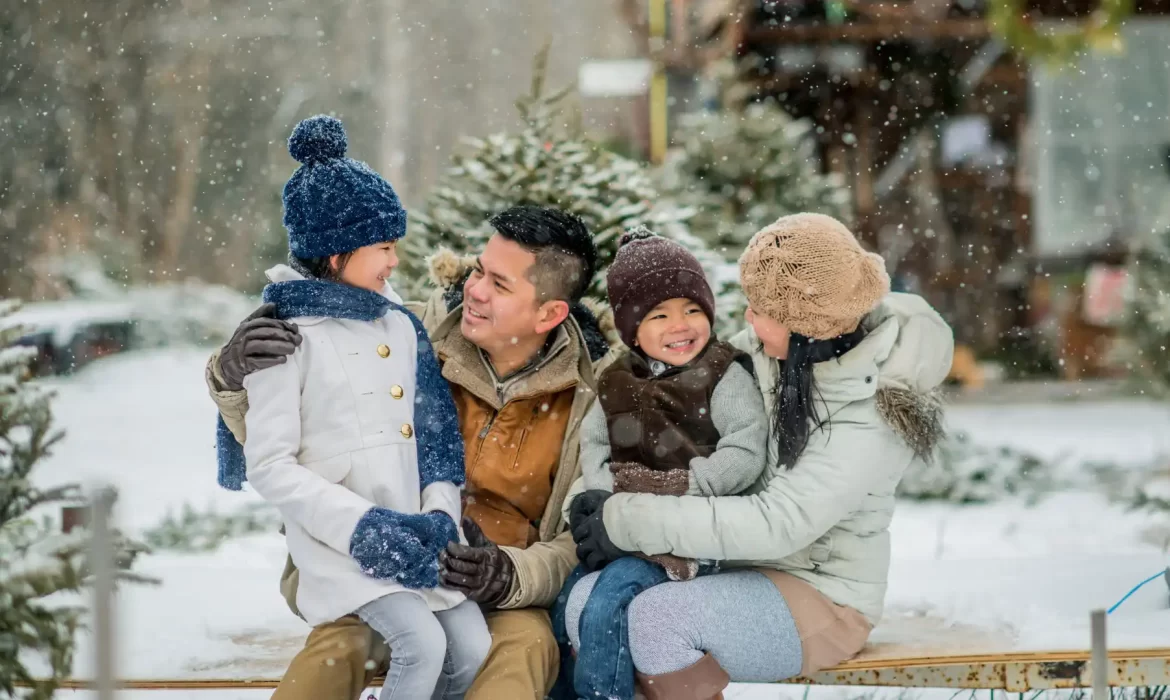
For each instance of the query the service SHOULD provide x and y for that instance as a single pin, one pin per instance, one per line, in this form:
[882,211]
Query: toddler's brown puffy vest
[663,421]
[658,422]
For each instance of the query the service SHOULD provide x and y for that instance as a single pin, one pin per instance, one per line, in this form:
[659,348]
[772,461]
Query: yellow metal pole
[657,26]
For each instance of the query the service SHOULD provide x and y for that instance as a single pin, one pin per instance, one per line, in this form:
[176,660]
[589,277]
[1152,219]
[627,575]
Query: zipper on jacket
[536,411]
[488,426]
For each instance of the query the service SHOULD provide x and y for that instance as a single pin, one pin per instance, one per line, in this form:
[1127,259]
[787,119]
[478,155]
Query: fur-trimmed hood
[449,271]
[912,349]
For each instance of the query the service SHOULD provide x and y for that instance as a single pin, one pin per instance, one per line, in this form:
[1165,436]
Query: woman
[848,372]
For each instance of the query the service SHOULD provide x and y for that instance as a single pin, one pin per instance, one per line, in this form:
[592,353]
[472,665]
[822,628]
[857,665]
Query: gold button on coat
[396,391]
[384,350]
[407,431]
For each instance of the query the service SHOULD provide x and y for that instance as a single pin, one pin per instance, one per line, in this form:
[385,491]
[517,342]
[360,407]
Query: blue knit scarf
[436,423]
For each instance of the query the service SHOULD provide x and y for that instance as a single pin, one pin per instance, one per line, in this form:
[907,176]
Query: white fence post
[1099,659]
[104,572]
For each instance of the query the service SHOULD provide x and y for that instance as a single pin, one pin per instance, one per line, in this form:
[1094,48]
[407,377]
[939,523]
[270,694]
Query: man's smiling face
[500,303]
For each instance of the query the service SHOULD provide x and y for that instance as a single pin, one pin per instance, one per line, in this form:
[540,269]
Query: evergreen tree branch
[18,498]
[37,565]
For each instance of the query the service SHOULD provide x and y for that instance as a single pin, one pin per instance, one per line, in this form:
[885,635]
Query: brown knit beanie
[646,271]
[808,272]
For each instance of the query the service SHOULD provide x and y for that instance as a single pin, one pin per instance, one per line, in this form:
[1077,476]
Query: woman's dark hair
[319,268]
[795,408]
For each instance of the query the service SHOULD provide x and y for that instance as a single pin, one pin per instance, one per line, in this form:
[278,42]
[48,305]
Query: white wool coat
[330,435]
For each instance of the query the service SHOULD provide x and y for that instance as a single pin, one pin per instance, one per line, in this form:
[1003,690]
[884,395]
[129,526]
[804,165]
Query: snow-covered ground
[1000,576]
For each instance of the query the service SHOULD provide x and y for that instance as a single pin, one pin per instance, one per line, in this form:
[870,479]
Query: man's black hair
[566,256]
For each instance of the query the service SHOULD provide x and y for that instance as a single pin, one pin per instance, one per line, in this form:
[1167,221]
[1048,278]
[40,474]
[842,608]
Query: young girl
[679,414]
[355,438]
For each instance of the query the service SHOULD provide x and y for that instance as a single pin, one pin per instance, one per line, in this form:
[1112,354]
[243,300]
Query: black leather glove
[260,341]
[594,548]
[585,504]
[479,569]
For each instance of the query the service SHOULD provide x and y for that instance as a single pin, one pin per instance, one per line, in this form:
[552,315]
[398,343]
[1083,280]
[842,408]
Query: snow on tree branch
[37,562]
[1147,324]
[545,163]
[741,171]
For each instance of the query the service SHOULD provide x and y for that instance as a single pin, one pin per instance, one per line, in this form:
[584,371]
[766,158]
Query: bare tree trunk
[188,142]
[394,97]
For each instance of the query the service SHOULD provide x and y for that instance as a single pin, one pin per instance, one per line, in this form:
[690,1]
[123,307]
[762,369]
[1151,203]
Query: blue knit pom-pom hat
[334,204]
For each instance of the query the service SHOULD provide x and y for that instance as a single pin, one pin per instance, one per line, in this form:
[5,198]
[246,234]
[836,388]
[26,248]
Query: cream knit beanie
[808,272]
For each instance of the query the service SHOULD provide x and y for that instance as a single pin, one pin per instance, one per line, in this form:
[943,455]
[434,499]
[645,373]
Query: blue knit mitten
[437,531]
[421,573]
[433,530]
[385,545]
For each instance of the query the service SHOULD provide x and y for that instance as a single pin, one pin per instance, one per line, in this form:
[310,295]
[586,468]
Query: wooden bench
[1014,672]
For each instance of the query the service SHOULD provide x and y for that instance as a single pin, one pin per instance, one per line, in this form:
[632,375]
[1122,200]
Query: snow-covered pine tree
[741,171]
[966,472]
[1147,322]
[1146,346]
[549,164]
[35,561]
[206,530]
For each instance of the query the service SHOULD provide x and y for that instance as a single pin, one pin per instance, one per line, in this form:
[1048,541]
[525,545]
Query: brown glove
[631,477]
[677,568]
[260,341]
[479,569]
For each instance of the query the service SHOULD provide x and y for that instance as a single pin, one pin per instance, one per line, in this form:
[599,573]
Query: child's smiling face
[369,266]
[674,332]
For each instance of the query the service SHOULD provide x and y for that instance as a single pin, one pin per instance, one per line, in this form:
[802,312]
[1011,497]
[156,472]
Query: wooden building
[933,121]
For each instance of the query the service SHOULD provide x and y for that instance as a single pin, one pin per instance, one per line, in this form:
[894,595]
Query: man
[521,356]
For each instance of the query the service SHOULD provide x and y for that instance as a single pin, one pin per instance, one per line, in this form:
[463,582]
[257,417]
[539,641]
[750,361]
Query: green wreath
[1099,32]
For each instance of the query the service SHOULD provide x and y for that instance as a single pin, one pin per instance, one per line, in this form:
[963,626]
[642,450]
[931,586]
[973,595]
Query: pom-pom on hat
[646,271]
[334,204]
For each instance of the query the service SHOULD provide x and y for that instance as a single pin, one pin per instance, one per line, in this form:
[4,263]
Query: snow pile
[1025,578]
[144,422]
[214,616]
